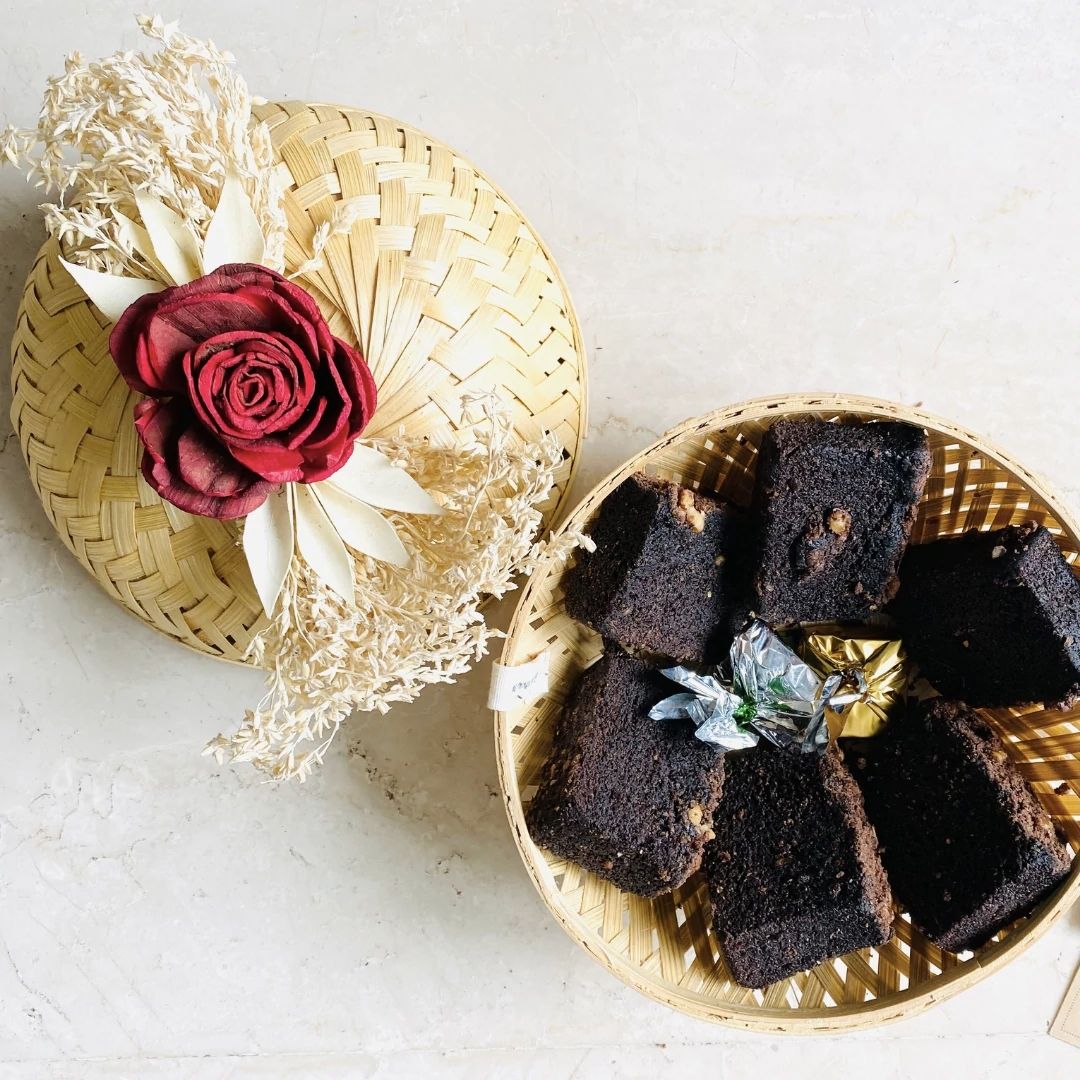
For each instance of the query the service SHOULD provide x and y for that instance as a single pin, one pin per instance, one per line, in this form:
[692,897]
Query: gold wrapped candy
[877,677]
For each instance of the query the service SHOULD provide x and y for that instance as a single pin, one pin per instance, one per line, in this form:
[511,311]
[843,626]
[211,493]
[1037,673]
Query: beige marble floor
[746,198]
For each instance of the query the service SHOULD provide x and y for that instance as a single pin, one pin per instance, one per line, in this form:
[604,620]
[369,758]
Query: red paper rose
[246,388]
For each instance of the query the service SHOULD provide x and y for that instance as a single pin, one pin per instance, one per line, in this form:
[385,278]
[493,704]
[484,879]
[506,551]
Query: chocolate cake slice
[662,578]
[993,618]
[627,797]
[967,844]
[794,872]
[834,505]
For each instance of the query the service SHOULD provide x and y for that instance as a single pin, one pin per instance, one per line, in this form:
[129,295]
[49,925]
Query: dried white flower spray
[408,627]
[171,122]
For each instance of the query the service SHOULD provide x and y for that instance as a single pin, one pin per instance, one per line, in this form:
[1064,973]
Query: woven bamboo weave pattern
[665,947]
[440,280]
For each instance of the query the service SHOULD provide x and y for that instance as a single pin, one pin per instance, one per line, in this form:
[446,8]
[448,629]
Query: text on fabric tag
[516,685]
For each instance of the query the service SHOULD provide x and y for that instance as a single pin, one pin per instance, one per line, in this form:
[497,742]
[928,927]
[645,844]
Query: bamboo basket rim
[821,1020]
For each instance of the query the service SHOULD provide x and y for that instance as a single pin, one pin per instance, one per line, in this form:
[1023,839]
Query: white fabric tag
[1066,1025]
[517,685]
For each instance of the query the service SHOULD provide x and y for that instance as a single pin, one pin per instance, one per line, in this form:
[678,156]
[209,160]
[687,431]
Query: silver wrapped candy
[764,691]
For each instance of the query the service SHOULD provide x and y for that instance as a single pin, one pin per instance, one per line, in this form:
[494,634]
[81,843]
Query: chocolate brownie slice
[662,578]
[627,797]
[794,872]
[967,845]
[834,505]
[993,618]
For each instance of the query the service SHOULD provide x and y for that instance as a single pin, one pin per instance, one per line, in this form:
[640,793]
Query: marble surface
[745,198]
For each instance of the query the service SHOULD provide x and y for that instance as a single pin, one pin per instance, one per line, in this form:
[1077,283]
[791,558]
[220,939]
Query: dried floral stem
[170,122]
[409,627]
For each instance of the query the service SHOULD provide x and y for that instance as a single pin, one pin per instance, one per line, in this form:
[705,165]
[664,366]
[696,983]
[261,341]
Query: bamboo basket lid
[451,292]
[665,947]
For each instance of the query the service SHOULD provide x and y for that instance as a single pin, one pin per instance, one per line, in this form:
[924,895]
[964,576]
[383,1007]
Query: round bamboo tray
[665,947]
[442,282]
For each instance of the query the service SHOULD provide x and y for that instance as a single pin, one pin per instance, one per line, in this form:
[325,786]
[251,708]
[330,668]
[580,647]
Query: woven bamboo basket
[665,947]
[442,282]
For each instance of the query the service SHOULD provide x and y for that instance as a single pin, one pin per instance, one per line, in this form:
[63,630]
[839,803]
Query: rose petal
[127,345]
[181,325]
[333,429]
[194,502]
[282,316]
[299,299]
[358,379]
[213,369]
[205,465]
[270,460]
[353,381]
[301,435]
[161,427]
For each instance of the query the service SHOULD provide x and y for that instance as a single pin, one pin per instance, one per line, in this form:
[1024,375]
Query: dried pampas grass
[171,122]
[408,627]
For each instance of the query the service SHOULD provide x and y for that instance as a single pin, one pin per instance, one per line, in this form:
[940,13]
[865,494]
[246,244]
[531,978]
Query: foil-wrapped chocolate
[874,677]
[764,691]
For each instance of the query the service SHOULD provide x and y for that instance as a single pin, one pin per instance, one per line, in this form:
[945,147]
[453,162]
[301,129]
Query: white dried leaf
[269,543]
[370,477]
[174,245]
[132,237]
[234,235]
[363,528]
[319,544]
[111,294]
